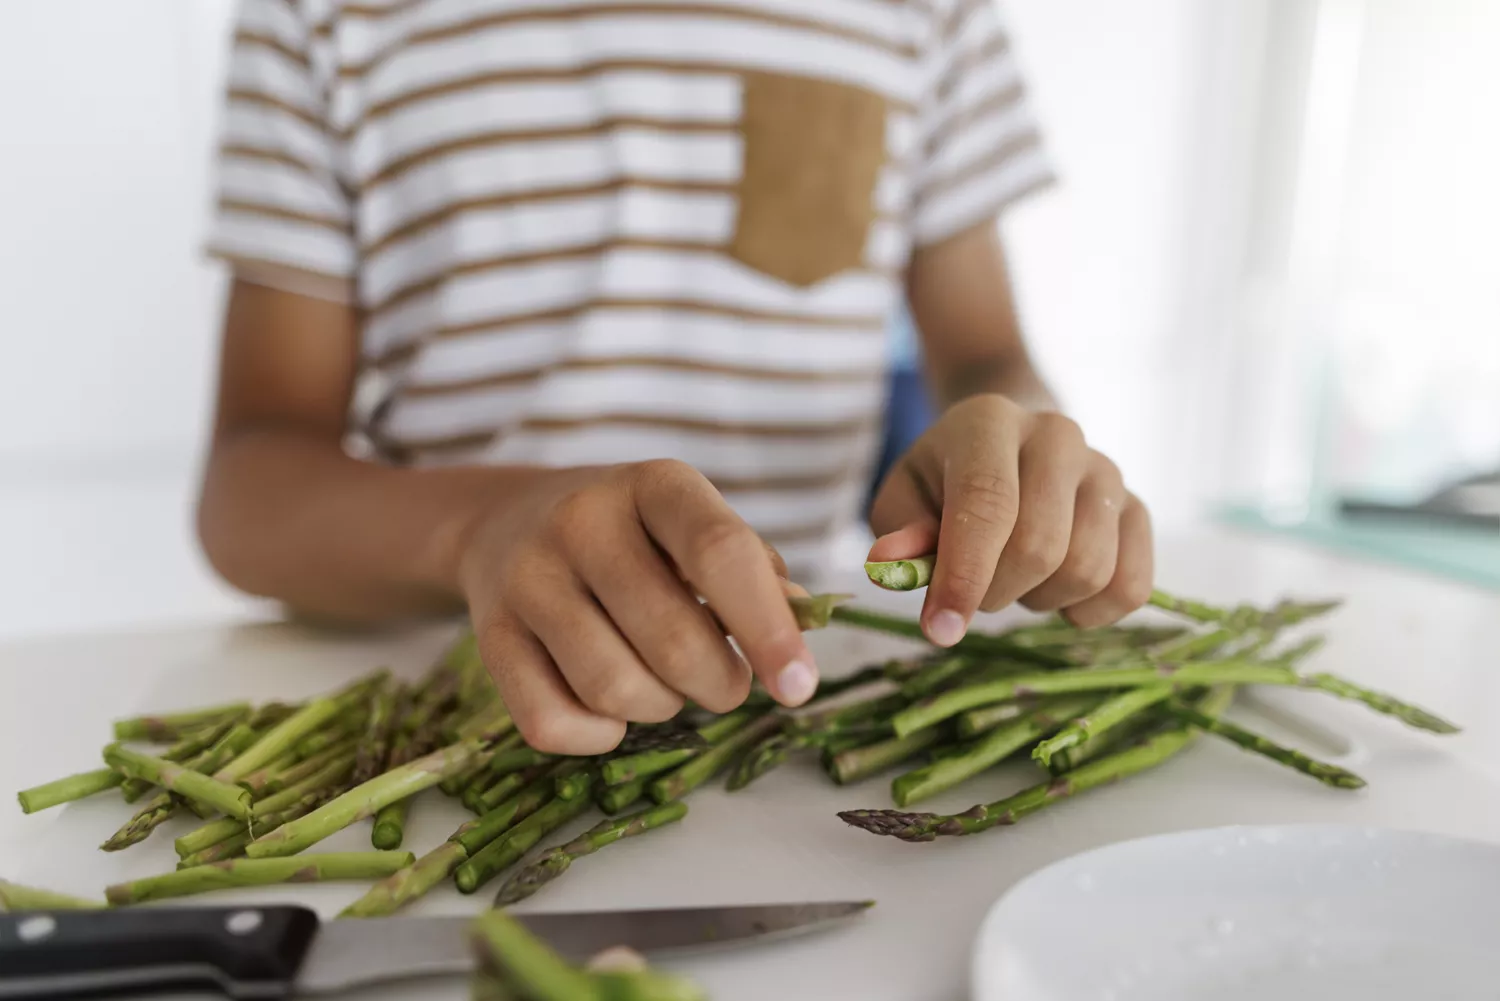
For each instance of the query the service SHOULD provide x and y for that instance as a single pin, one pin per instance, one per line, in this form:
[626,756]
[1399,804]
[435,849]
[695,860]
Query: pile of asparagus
[1088,706]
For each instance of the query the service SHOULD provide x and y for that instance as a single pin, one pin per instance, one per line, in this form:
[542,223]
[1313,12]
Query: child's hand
[1017,508]
[584,596]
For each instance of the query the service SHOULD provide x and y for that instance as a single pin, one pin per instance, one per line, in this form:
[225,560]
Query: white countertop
[1434,642]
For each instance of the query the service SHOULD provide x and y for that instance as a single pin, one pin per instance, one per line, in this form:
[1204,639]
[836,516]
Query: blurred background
[1268,284]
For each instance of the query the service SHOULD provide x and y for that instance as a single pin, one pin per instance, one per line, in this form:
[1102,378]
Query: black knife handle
[242,952]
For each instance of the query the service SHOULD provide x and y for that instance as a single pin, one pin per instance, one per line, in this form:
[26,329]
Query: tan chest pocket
[813,150]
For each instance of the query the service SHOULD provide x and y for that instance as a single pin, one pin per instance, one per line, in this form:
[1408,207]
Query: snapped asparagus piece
[66,790]
[364,801]
[990,749]
[1148,753]
[902,575]
[389,828]
[676,784]
[947,704]
[1102,716]
[234,873]
[855,763]
[510,846]
[159,728]
[556,860]
[815,611]
[390,894]
[15,897]
[185,782]
[1324,772]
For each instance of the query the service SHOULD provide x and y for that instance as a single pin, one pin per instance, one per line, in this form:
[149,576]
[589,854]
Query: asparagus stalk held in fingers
[557,860]
[364,801]
[185,782]
[815,611]
[902,575]
[67,790]
[1324,772]
[162,727]
[14,898]
[990,749]
[976,643]
[926,826]
[234,873]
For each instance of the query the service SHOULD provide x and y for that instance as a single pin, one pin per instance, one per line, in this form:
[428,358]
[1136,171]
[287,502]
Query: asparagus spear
[66,790]
[15,897]
[397,889]
[281,738]
[1193,675]
[510,846]
[974,722]
[493,795]
[855,763]
[1326,773]
[556,861]
[990,749]
[159,728]
[613,799]
[484,829]
[234,845]
[480,770]
[185,782]
[1111,740]
[233,873]
[630,768]
[1413,716]
[771,751]
[1101,717]
[369,761]
[902,575]
[926,826]
[389,828]
[346,730]
[364,801]
[336,762]
[187,748]
[676,784]
[976,643]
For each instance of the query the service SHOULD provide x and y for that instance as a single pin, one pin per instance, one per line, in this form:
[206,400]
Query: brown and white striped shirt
[595,231]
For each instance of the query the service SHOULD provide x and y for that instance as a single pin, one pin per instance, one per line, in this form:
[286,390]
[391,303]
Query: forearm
[289,516]
[1009,375]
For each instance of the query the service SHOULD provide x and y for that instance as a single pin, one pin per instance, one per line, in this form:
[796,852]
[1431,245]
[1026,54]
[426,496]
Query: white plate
[1294,913]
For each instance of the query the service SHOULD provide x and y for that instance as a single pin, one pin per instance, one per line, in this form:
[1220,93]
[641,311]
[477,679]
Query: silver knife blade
[352,952]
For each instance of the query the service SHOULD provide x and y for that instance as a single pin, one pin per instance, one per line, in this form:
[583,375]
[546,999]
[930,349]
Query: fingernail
[946,628]
[797,682]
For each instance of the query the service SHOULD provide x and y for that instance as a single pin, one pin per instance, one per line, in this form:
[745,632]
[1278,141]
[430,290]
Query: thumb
[903,519]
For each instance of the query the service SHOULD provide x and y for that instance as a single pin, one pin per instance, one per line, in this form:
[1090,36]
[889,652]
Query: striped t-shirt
[595,231]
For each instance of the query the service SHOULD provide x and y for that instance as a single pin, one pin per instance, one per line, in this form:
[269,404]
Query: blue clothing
[908,410]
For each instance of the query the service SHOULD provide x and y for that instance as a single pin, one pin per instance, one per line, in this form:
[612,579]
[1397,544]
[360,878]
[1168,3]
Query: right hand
[584,597]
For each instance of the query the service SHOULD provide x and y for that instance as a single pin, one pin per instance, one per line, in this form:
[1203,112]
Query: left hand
[1017,507]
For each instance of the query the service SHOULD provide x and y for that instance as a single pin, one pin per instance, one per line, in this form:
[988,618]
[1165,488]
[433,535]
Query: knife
[249,953]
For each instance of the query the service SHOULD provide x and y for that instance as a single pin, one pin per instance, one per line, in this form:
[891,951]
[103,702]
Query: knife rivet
[36,928]
[243,922]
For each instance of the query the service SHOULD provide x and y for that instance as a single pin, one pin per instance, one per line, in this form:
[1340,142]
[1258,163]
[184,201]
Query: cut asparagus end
[901,575]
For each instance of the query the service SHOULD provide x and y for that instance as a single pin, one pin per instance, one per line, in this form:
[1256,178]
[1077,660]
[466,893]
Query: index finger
[981,498]
[728,564]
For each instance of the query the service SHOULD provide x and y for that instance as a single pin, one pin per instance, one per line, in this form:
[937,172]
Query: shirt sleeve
[282,217]
[980,149]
